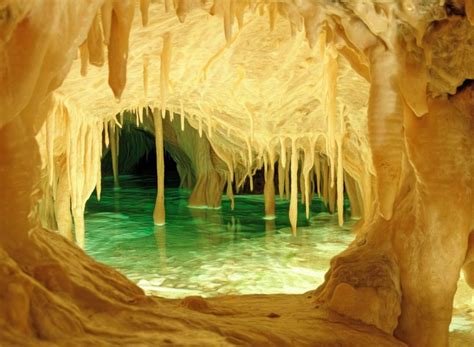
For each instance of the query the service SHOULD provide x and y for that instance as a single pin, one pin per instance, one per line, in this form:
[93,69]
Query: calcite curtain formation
[370,97]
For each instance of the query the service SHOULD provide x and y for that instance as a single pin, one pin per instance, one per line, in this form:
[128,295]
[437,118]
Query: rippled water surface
[211,252]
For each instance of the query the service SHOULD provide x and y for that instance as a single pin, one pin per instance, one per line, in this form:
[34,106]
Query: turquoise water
[209,251]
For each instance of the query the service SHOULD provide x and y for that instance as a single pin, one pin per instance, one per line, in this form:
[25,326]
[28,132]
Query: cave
[240,122]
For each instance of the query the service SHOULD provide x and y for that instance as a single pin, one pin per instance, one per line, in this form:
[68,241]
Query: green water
[209,251]
[212,252]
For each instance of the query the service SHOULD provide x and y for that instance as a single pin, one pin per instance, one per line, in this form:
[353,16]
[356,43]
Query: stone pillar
[159,211]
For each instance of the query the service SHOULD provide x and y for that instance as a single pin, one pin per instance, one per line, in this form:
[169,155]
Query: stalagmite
[159,210]
[269,192]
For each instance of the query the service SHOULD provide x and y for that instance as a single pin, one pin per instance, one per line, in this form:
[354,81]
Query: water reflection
[160,237]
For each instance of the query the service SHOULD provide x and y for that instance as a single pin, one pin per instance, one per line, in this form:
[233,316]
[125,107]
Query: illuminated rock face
[371,95]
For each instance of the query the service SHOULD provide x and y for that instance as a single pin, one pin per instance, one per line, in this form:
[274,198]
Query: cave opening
[367,104]
[206,251]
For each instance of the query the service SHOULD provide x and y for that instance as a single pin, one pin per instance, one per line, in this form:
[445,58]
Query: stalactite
[98,187]
[50,127]
[159,210]
[144,5]
[287,181]
[165,71]
[413,85]
[269,191]
[339,137]
[200,126]
[354,198]
[282,152]
[181,114]
[105,125]
[114,140]
[325,181]
[62,204]
[81,147]
[331,108]
[182,9]
[122,17]
[120,123]
[95,43]
[294,187]
[240,6]
[106,16]
[84,53]
[228,9]
[249,152]
[308,164]
[272,14]
[317,170]
[340,183]
[146,62]
[281,179]
[301,186]
[307,192]
[139,113]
